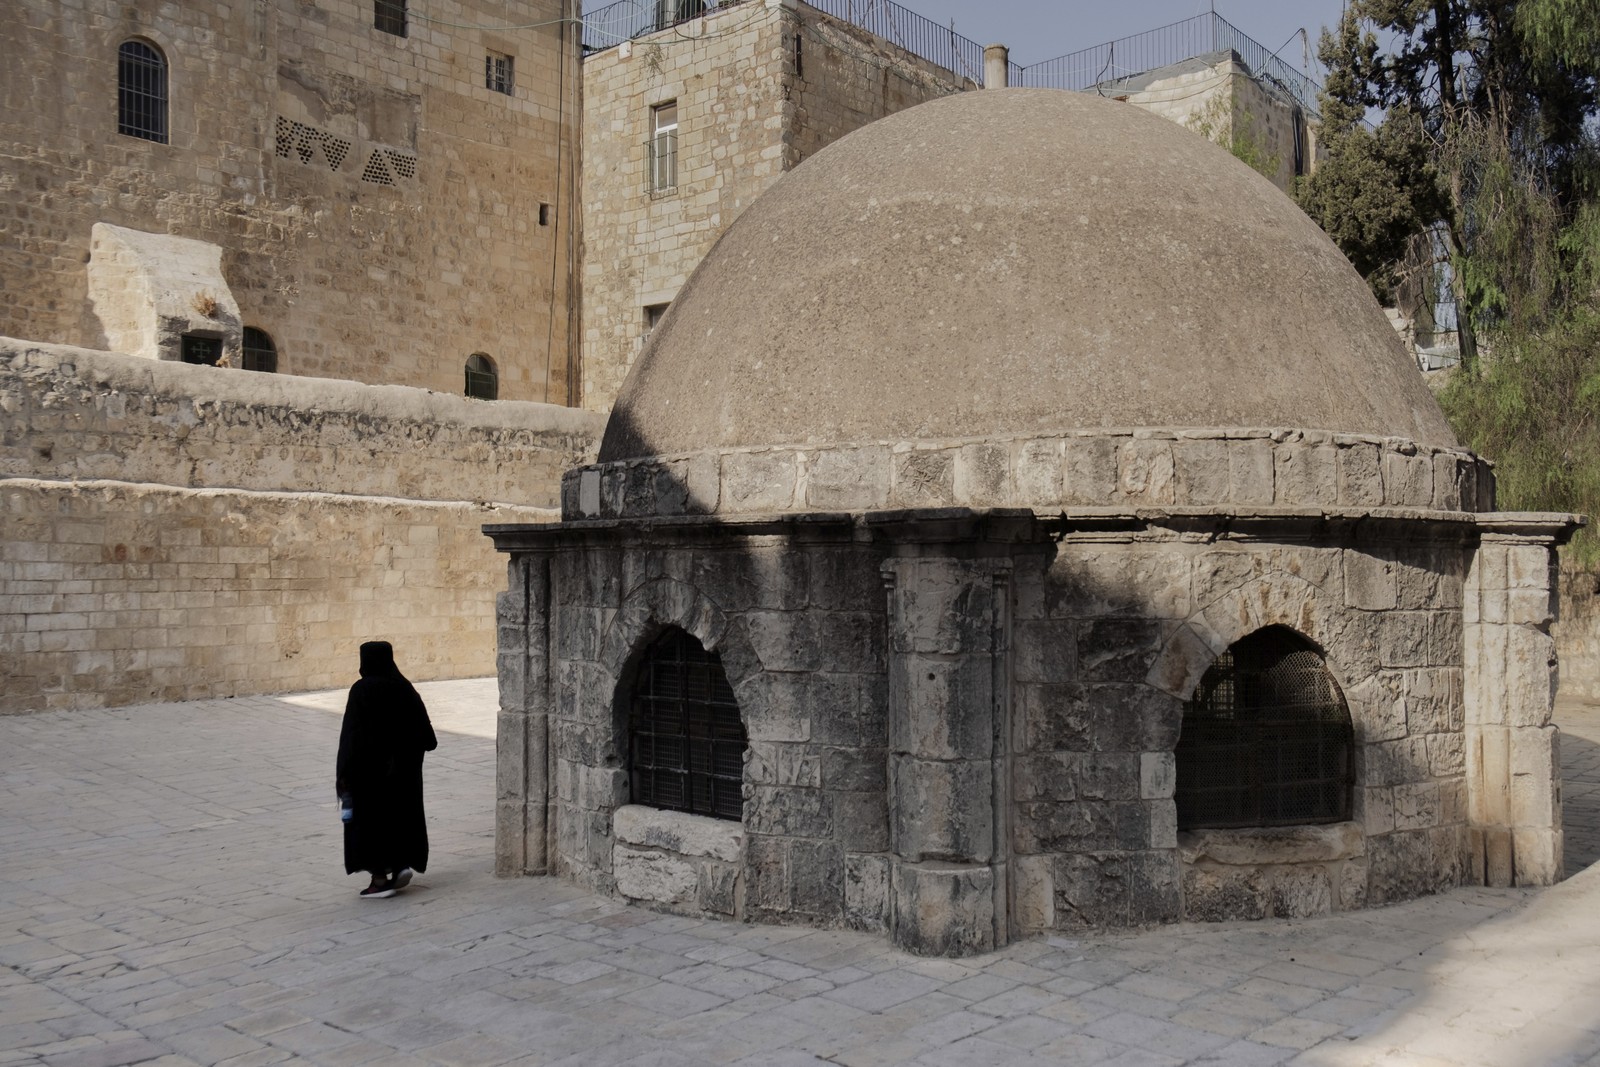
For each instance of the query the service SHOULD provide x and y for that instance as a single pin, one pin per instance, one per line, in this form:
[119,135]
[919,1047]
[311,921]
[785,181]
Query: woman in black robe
[379,776]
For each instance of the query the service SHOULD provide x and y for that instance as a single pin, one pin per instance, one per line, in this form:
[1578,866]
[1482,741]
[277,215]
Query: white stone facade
[376,209]
[747,111]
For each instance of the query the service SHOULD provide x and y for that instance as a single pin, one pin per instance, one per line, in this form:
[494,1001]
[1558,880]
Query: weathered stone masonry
[981,709]
[372,205]
[178,532]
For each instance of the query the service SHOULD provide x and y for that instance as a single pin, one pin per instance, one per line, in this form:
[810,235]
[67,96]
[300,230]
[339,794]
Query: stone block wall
[800,630]
[382,213]
[962,725]
[746,114]
[1223,99]
[177,531]
[1102,468]
[1577,632]
[1117,640]
[76,414]
[113,593]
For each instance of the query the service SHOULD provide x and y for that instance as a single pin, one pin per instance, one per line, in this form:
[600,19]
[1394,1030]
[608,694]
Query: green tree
[1488,141]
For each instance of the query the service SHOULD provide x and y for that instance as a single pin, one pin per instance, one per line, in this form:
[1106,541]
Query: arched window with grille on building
[142,91]
[686,740]
[483,381]
[257,351]
[1267,738]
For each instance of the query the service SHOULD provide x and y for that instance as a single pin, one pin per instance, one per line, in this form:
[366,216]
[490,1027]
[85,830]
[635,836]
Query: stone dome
[1017,263]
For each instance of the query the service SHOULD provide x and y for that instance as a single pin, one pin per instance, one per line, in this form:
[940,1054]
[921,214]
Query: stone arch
[647,611]
[1276,598]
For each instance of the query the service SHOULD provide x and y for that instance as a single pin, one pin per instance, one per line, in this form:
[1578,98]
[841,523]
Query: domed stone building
[1025,519]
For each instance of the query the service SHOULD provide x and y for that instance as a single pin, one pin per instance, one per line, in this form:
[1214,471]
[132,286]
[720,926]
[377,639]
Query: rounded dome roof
[1010,262]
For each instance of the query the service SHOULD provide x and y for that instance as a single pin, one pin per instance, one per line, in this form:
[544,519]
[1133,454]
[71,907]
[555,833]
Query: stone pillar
[1513,762]
[522,734]
[948,622]
[996,66]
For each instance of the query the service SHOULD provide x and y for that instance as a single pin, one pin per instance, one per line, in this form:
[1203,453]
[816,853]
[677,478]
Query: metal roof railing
[1104,64]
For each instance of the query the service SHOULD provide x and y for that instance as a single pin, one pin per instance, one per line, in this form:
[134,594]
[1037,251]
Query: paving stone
[185,960]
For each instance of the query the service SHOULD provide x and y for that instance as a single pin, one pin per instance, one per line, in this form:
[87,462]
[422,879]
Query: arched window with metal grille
[258,352]
[1267,738]
[142,91]
[483,381]
[686,740]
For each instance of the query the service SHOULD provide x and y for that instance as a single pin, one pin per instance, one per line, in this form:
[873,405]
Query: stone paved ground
[171,892]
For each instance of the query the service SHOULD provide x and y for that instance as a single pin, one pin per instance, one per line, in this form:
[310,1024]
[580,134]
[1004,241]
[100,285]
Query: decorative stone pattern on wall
[378,206]
[745,115]
[1095,468]
[112,593]
[74,414]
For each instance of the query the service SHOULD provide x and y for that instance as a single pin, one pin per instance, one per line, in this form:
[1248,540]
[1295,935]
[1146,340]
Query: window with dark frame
[653,313]
[483,380]
[389,16]
[686,740]
[142,91]
[497,73]
[1267,739]
[200,350]
[257,351]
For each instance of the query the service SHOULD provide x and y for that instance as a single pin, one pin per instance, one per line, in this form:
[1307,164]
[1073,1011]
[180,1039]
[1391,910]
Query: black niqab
[386,731]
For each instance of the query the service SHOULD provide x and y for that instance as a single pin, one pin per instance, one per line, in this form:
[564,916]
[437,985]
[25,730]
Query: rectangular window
[663,147]
[390,16]
[652,317]
[497,73]
[206,351]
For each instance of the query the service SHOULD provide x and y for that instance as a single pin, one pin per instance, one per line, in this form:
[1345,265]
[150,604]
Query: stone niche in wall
[151,290]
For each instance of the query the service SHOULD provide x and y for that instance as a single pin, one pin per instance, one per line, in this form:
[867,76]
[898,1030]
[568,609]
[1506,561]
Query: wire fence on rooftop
[1105,64]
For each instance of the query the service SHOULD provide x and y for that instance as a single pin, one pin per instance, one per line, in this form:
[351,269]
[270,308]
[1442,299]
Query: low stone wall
[71,413]
[1577,633]
[113,593]
[1094,468]
[678,861]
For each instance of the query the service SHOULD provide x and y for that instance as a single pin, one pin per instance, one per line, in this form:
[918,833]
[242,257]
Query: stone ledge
[678,831]
[1273,845]
[1119,468]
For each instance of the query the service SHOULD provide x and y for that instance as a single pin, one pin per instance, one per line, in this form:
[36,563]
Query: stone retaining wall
[113,593]
[1577,633]
[71,413]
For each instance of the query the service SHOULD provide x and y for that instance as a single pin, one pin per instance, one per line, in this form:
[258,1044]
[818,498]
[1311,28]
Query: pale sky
[1043,29]
[1036,30]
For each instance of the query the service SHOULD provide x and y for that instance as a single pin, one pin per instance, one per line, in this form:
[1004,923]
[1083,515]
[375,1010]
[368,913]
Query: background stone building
[691,110]
[686,125]
[374,192]
[1098,559]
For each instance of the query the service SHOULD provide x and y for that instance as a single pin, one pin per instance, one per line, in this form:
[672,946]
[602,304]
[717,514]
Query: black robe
[386,730]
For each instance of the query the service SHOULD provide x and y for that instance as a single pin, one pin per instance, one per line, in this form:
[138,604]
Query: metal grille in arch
[1267,739]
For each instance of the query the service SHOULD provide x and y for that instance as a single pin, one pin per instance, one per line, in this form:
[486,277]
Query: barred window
[142,91]
[497,73]
[483,381]
[1267,738]
[258,351]
[390,16]
[686,740]
[200,349]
